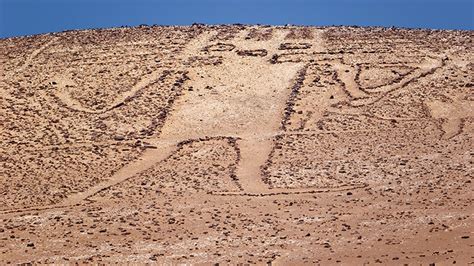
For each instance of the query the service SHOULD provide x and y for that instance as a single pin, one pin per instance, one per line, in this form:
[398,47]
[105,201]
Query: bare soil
[237,144]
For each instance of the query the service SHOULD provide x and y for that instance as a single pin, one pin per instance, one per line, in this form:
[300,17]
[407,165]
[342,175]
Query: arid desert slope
[237,144]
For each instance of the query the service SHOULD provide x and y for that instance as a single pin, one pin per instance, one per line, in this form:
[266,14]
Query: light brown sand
[237,144]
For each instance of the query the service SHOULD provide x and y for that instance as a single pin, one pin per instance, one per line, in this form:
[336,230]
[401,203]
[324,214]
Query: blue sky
[25,17]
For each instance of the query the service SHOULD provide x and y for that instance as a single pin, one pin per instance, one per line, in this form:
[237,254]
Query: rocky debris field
[237,144]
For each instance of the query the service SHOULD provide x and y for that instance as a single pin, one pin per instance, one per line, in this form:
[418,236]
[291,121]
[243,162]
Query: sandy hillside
[237,144]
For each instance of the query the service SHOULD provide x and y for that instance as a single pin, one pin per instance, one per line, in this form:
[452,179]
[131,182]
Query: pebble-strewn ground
[237,144]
